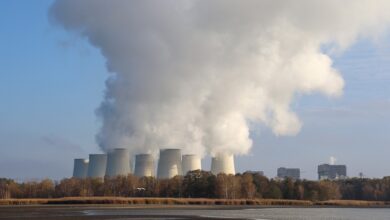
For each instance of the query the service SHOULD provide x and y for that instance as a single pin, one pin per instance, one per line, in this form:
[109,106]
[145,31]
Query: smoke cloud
[198,75]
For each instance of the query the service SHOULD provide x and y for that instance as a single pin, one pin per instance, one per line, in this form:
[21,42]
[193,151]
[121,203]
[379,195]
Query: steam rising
[196,74]
[332,160]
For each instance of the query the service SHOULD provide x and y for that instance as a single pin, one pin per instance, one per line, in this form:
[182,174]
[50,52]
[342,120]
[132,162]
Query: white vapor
[332,160]
[197,74]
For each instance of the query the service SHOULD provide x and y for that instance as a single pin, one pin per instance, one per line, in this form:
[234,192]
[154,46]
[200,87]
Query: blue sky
[51,82]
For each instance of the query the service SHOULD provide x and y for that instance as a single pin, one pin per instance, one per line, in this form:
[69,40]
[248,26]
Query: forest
[202,184]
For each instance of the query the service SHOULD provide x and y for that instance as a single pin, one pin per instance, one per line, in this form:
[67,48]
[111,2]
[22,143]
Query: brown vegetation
[353,203]
[189,201]
[153,201]
[239,189]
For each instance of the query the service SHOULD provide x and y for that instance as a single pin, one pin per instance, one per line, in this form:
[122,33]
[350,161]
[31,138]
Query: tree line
[202,184]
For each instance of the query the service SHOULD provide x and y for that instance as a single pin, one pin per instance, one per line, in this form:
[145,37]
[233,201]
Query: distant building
[293,173]
[332,172]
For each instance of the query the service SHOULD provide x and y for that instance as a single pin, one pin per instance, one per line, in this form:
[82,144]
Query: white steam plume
[194,74]
[332,160]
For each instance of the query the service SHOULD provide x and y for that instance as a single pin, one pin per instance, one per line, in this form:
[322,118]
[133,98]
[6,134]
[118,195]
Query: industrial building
[332,172]
[171,163]
[293,173]
[223,163]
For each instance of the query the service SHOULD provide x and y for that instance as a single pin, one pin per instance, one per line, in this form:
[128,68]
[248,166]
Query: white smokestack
[223,163]
[190,162]
[144,165]
[118,162]
[169,163]
[80,169]
[97,165]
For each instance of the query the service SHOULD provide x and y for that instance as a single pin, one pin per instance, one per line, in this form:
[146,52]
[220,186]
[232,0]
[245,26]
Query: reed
[357,203]
[188,201]
[152,201]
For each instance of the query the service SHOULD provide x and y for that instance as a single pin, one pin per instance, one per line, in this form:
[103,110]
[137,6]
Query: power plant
[80,168]
[169,163]
[172,163]
[144,165]
[223,163]
[332,172]
[190,162]
[293,173]
[118,162]
[97,165]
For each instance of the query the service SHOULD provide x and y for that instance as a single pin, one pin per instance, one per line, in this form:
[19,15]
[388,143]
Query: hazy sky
[51,83]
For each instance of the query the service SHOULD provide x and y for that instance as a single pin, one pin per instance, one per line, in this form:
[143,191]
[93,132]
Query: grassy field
[188,201]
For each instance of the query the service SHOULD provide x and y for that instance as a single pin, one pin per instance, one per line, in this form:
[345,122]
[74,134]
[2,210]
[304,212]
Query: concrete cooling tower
[80,168]
[144,165]
[190,162]
[97,165]
[118,162]
[169,163]
[223,163]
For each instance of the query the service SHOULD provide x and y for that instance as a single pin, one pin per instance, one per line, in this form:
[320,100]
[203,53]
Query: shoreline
[191,202]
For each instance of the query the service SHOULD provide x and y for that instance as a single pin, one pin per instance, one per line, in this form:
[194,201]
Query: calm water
[311,213]
[263,213]
[93,212]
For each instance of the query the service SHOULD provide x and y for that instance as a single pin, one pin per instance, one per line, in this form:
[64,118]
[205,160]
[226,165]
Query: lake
[191,212]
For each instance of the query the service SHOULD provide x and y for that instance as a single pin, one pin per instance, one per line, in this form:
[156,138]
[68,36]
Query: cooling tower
[118,162]
[169,163]
[97,165]
[80,168]
[190,162]
[144,165]
[223,163]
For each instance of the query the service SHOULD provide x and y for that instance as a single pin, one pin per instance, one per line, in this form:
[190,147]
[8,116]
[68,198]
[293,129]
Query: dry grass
[357,203]
[188,201]
[153,201]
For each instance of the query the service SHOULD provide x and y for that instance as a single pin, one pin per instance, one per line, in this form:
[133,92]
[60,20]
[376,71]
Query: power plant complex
[332,172]
[293,173]
[171,163]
